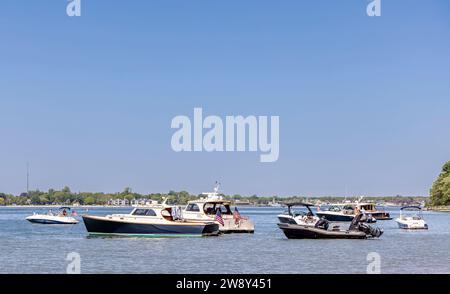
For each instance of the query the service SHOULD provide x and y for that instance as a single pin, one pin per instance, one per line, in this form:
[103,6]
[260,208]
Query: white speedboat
[299,217]
[214,208]
[64,216]
[275,204]
[411,218]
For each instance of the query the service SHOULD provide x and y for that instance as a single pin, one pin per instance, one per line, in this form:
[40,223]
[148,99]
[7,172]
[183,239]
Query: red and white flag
[219,218]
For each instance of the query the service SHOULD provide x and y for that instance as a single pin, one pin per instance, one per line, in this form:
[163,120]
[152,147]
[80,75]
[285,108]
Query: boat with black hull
[321,230]
[346,212]
[156,220]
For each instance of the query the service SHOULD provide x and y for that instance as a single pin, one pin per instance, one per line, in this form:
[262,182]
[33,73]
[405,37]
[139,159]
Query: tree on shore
[440,191]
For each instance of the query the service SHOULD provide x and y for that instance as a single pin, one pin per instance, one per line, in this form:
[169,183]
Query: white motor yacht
[347,211]
[214,208]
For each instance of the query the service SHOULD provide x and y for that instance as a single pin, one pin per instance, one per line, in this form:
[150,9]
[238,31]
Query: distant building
[119,202]
[142,202]
[134,202]
[242,202]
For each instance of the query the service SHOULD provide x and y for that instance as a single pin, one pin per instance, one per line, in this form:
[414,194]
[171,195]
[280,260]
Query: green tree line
[440,191]
[66,197]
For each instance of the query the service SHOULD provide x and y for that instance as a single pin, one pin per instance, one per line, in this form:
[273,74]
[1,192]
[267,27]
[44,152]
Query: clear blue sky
[364,103]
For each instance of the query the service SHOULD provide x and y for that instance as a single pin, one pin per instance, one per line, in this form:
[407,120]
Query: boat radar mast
[214,195]
[360,199]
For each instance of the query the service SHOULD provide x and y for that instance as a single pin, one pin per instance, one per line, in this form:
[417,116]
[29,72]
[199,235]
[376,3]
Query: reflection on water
[32,248]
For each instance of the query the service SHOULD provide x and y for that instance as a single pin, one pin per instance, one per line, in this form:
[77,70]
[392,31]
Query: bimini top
[64,207]
[411,207]
[307,205]
[298,204]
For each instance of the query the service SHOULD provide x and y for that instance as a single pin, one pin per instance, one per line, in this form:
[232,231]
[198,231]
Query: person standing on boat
[176,213]
[237,216]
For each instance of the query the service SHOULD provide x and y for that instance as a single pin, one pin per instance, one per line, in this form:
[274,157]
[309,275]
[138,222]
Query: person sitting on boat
[309,217]
[322,224]
[64,213]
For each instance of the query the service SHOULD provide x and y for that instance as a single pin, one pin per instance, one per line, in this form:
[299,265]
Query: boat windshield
[348,207]
[211,208]
[297,212]
[413,213]
[368,207]
[144,212]
[193,208]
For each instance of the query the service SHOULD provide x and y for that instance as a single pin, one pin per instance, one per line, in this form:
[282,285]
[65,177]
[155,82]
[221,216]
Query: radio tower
[28,179]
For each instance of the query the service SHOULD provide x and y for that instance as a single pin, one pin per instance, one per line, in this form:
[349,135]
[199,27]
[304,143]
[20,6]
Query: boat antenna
[216,187]
[28,179]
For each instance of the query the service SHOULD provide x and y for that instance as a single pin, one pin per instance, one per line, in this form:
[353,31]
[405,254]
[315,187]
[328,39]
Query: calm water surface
[32,248]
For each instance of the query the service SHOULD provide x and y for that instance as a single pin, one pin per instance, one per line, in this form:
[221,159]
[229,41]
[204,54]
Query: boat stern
[233,226]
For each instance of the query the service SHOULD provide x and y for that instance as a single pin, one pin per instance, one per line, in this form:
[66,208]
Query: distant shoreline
[131,206]
[57,206]
[438,208]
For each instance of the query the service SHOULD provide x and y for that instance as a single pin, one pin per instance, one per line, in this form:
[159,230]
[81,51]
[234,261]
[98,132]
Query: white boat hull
[298,220]
[412,224]
[230,225]
[50,219]
[241,226]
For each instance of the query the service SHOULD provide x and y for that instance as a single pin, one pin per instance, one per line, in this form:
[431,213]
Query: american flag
[219,218]
[236,215]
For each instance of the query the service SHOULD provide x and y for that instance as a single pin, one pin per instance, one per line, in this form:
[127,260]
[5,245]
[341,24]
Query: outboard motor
[322,224]
[358,225]
[371,231]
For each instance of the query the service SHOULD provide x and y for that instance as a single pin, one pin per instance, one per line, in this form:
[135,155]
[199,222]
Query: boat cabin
[209,207]
[155,211]
[367,207]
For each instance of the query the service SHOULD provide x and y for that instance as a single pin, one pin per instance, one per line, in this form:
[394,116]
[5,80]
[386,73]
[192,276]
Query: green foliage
[440,191]
[67,197]
[89,200]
